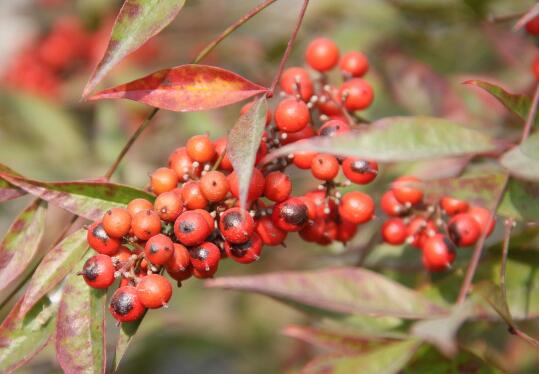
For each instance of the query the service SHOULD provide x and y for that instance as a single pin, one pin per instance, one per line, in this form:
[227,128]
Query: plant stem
[509,224]
[531,116]
[286,54]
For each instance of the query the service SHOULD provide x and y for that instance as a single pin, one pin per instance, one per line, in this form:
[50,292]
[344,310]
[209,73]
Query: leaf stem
[531,116]
[509,224]
[286,54]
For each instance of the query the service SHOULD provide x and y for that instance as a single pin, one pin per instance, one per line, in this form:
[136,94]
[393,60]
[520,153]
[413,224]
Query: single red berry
[532,27]
[292,115]
[163,180]
[407,189]
[291,137]
[214,186]
[359,171]
[313,231]
[247,252]
[220,147]
[269,233]
[356,94]
[168,206]
[322,54]
[99,240]
[330,233]
[453,206]
[278,186]
[329,102]
[463,230]
[125,305]
[159,249]
[146,224]
[244,109]
[334,127]
[346,231]
[192,196]
[138,205]
[256,185]
[200,149]
[482,216]
[205,258]
[325,166]
[390,205]
[182,164]
[179,261]
[191,228]
[296,80]
[325,208]
[98,271]
[438,253]
[356,207]
[117,222]
[304,159]
[154,291]
[394,231]
[207,216]
[419,229]
[354,64]
[290,215]
[236,225]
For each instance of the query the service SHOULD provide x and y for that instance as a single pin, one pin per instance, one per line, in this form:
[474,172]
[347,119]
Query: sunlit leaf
[186,88]
[523,160]
[137,21]
[339,290]
[21,242]
[243,143]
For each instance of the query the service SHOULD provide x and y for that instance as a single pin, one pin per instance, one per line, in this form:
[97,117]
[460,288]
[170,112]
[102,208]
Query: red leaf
[186,88]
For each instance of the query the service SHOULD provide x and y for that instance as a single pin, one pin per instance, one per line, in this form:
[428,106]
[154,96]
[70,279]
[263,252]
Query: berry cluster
[437,229]
[196,219]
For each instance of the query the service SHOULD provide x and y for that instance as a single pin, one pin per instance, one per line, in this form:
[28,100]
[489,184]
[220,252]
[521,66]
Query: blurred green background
[420,51]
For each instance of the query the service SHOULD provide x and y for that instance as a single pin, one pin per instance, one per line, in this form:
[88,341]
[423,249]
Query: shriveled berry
[324,166]
[278,186]
[200,148]
[146,224]
[322,54]
[163,180]
[394,231]
[117,222]
[125,304]
[269,232]
[296,80]
[214,186]
[256,185]
[438,253]
[192,196]
[359,171]
[453,206]
[168,206]
[356,94]
[159,249]
[98,271]
[407,189]
[191,228]
[292,115]
[354,64]
[290,215]
[247,252]
[356,207]
[463,230]
[99,240]
[154,291]
[236,225]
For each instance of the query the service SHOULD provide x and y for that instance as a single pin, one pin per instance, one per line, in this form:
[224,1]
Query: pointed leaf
[243,143]
[494,296]
[137,21]
[54,267]
[87,199]
[339,290]
[521,201]
[127,332]
[7,190]
[21,242]
[80,328]
[530,14]
[399,139]
[186,88]
[523,160]
[330,340]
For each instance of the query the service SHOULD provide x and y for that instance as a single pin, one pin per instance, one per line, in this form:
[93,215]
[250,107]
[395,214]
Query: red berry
[269,233]
[325,208]
[313,231]
[191,228]
[125,304]
[200,148]
[256,186]
[438,253]
[146,224]
[236,225]
[98,271]
[419,230]
[346,231]
[322,54]
[278,186]
[390,205]
[354,64]
[220,147]
[359,171]
[482,216]
[205,258]
[244,109]
[117,222]
[291,137]
[292,115]
[453,206]
[532,27]
[214,186]
[334,127]
[407,190]
[182,164]
[356,207]
[163,180]
[179,261]
[394,231]
[99,240]
[247,252]
[463,230]
[290,215]
[356,94]
[192,196]
[168,206]
[329,102]
[138,205]
[304,159]
[324,166]
[294,78]
[159,249]
[207,216]
[154,291]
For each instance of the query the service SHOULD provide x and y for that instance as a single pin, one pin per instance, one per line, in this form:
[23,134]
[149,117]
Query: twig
[509,224]
[531,116]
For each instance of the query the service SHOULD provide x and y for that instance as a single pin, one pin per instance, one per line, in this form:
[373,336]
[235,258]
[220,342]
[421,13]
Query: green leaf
[86,199]
[127,333]
[80,328]
[56,264]
[243,143]
[523,160]
[521,201]
[399,139]
[390,359]
[21,242]
[339,290]
[137,21]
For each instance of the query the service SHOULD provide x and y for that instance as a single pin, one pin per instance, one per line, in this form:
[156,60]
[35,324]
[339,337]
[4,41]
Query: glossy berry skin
[532,27]
[98,271]
[407,190]
[159,249]
[290,215]
[324,166]
[168,206]
[269,233]
[291,137]
[390,205]
[99,240]
[125,304]
[394,231]
[244,109]
[138,205]
[191,228]
[207,216]
[163,180]
[220,148]
[482,217]
[205,258]
[303,159]
[214,186]
[322,54]
[146,224]
[292,115]
[334,127]
[247,252]
[179,261]
[182,164]
[192,196]
[200,148]
[256,186]
[294,77]
[117,222]
[452,206]
[354,64]
[356,207]
[438,253]
[346,231]
[278,186]
[463,230]
[154,291]
[356,94]
[236,225]
[359,171]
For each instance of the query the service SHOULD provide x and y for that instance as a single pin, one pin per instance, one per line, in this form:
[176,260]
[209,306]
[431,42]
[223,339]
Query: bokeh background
[420,52]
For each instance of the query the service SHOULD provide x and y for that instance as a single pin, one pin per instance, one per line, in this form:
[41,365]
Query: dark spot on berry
[232,220]
[329,131]
[122,303]
[100,233]
[186,227]
[454,233]
[240,250]
[294,214]
[360,166]
[154,248]
[92,270]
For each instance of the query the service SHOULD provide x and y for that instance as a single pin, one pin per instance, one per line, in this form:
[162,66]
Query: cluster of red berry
[196,219]
[437,229]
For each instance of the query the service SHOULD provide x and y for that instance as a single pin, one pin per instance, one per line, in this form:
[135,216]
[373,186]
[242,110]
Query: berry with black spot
[325,166]
[163,180]
[296,80]
[214,186]
[205,259]
[394,231]
[334,127]
[117,222]
[192,196]
[256,185]
[438,253]
[278,186]
[356,94]
[322,54]
[100,241]
[269,233]
[359,171]
[125,305]
[159,249]
[168,206]
[356,207]
[354,64]
[463,230]
[407,189]
[154,291]
[98,271]
[191,228]
[290,215]
[200,148]
[146,224]
[247,252]
[292,115]
[236,225]
[452,206]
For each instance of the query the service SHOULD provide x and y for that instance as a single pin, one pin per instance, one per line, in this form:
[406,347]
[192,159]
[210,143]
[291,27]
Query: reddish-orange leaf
[186,88]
